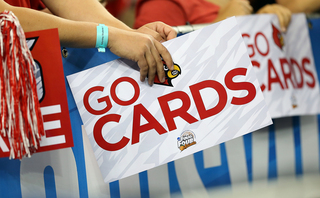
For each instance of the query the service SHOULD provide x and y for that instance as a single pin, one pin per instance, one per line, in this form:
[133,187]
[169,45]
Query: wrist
[102,37]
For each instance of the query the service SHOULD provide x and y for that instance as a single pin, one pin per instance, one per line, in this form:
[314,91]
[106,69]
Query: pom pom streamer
[21,120]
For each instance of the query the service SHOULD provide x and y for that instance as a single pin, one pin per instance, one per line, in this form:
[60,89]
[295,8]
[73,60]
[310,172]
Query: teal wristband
[102,37]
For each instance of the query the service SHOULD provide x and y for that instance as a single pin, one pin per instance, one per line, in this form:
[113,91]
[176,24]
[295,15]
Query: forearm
[70,32]
[296,6]
[87,10]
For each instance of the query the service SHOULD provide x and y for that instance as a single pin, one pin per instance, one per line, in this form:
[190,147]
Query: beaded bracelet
[102,37]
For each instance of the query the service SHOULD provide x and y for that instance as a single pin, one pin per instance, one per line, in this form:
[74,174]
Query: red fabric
[175,12]
[34,4]
[116,7]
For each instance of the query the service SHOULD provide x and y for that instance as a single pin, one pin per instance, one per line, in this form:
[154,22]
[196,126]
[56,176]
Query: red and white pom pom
[21,120]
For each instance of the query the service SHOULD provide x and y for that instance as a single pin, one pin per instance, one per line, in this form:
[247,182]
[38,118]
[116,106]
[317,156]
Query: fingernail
[172,67]
[163,79]
[283,29]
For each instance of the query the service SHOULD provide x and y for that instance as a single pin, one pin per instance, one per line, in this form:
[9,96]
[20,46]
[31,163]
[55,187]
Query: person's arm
[234,8]
[283,14]
[84,10]
[141,48]
[70,32]
[296,6]
[93,11]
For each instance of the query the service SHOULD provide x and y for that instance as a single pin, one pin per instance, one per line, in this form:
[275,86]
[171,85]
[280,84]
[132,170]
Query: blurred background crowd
[135,13]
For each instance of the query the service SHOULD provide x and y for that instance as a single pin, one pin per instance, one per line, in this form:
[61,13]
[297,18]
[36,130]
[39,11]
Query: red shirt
[175,12]
[116,7]
[34,4]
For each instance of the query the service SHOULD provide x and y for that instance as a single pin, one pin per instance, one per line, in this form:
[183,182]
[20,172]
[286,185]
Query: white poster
[212,96]
[284,64]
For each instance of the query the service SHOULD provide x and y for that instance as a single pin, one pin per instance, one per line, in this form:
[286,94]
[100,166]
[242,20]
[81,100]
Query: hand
[160,31]
[297,6]
[143,49]
[234,8]
[283,13]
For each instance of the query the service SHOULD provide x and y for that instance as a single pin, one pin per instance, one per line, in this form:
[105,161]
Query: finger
[281,20]
[265,10]
[152,67]
[169,32]
[143,65]
[163,36]
[165,31]
[287,14]
[159,36]
[159,64]
[242,7]
[286,21]
[247,7]
[152,33]
[164,54]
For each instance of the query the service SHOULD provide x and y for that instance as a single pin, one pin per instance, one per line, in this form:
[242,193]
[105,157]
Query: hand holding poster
[212,96]
[284,64]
